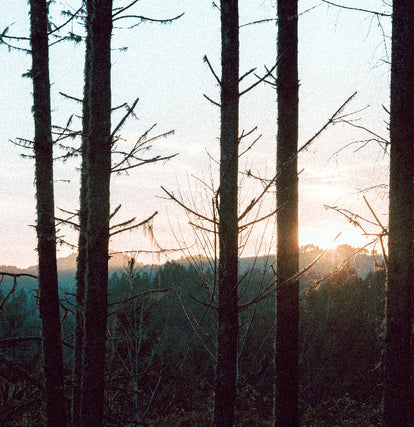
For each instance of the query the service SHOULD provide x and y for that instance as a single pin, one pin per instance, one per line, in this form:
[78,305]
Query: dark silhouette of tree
[98,182]
[46,234]
[225,392]
[399,351]
[82,240]
[287,290]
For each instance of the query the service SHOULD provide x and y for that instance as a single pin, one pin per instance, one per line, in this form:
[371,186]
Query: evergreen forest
[250,326]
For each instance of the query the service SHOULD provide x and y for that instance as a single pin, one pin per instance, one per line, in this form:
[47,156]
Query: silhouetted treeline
[161,348]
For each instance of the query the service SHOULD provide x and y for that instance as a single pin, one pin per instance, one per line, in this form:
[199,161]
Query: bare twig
[292,158]
[134,226]
[205,59]
[358,9]
[213,102]
[187,208]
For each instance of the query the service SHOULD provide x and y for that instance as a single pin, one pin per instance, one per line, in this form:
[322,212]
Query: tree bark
[82,242]
[46,234]
[99,173]
[287,292]
[225,392]
[399,346]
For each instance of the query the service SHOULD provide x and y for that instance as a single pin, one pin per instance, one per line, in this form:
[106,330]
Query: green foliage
[340,338]
[161,347]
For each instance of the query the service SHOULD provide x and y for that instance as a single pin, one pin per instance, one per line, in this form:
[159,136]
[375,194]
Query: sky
[340,52]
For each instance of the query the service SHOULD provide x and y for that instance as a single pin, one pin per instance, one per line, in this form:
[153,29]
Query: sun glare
[329,238]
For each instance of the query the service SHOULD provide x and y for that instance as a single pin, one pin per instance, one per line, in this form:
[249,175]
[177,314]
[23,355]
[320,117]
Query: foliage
[160,348]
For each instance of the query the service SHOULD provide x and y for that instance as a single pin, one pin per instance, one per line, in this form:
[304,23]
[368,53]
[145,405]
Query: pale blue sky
[339,52]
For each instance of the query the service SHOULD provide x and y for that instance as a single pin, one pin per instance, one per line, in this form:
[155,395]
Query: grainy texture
[99,173]
[398,356]
[225,392]
[81,263]
[287,292]
[46,234]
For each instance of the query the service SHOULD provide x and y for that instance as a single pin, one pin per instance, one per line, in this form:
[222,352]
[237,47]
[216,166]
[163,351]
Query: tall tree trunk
[399,346]
[225,392]
[99,173]
[82,242]
[46,234]
[287,292]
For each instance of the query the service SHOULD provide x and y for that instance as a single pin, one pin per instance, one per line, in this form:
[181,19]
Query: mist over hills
[363,262]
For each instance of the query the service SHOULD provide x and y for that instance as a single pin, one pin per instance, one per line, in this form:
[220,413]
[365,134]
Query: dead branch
[244,226]
[157,292]
[187,208]
[71,97]
[205,59]
[264,21]
[130,111]
[267,292]
[72,16]
[202,228]
[13,341]
[142,18]
[123,224]
[292,158]
[354,219]
[134,226]
[357,9]
[205,304]
[250,146]
[261,79]
[143,162]
[213,102]
[342,264]
[247,74]
[16,275]
[24,374]
[381,235]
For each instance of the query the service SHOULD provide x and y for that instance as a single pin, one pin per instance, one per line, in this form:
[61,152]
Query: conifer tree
[399,339]
[82,241]
[225,392]
[98,207]
[287,291]
[46,234]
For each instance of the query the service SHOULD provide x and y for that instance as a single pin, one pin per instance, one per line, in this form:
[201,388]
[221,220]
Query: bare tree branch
[134,226]
[357,9]
[205,59]
[187,208]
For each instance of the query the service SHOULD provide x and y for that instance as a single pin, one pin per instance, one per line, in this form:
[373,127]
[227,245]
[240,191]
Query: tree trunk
[287,292]
[99,173]
[46,234]
[225,392]
[398,356]
[82,242]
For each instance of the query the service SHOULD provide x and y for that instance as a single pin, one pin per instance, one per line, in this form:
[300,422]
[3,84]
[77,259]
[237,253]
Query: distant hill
[362,262]
[66,270]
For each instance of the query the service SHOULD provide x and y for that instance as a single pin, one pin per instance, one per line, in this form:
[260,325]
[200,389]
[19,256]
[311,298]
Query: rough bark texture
[399,346]
[46,235]
[225,392]
[82,241]
[99,172]
[287,292]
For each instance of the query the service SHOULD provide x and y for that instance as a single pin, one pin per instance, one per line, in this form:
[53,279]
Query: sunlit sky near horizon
[340,52]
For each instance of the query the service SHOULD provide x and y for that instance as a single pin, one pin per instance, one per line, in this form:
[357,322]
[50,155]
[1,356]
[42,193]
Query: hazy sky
[340,52]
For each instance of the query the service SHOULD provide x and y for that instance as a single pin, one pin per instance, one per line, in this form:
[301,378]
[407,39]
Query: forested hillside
[247,328]
[161,344]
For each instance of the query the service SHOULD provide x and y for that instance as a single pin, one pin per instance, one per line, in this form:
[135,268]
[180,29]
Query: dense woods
[299,336]
[160,369]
